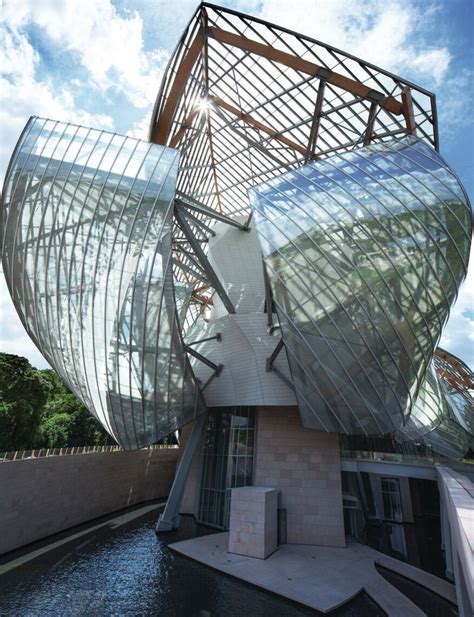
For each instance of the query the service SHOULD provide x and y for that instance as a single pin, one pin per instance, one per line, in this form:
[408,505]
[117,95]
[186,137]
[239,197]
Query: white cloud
[140,128]
[109,46]
[389,34]
[13,336]
[24,95]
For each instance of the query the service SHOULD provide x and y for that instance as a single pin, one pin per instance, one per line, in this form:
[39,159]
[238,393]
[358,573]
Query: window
[228,461]
[396,541]
[392,504]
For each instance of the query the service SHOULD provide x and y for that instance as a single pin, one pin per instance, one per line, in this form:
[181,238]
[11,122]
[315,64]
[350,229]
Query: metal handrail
[44,452]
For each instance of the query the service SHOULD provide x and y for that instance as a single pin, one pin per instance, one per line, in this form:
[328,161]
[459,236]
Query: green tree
[23,394]
[38,411]
[67,422]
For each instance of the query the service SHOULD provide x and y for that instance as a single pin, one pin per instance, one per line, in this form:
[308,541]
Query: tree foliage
[38,411]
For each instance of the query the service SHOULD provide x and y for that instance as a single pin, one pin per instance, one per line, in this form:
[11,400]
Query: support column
[169,519]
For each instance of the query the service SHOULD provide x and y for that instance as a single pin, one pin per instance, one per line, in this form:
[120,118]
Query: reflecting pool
[127,570]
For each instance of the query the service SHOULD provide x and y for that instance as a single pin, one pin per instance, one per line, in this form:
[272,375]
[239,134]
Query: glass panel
[227,461]
[392,503]
[365,252]
[87,222]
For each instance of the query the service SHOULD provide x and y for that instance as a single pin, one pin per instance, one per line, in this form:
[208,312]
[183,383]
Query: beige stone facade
[304,465]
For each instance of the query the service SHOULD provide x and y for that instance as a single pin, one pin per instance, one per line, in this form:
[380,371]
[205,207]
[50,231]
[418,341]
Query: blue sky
[99,63]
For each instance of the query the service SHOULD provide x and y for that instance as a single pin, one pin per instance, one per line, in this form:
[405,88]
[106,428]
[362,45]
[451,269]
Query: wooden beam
[202,299]
[174,141]
[179,83]
[463,379]
[305,66]
[257,124]
[407,107]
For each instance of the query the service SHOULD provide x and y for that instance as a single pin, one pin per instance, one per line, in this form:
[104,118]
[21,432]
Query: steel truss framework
[245,100]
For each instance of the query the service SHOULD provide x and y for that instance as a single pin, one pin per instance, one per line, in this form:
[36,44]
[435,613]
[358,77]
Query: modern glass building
[270,272]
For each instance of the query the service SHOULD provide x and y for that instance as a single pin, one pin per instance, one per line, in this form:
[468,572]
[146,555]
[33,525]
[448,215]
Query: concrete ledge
[321,577]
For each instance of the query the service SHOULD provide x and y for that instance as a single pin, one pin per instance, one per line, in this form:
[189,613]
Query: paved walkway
[317,576]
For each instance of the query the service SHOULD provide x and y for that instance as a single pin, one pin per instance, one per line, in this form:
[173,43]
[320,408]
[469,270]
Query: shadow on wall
[85,486]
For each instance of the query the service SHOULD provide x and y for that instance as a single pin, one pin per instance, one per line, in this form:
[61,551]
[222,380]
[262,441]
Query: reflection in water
[397,516]
[128,571]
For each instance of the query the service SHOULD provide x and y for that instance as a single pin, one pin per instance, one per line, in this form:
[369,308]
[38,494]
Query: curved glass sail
[443,414]
[365,253]
[86,223]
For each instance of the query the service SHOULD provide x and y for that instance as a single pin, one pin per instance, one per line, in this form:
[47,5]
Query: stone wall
[305,466]
[40,497]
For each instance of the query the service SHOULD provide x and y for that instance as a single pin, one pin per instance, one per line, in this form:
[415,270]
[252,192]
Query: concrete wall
[457,516]
[39,497]
[305,466]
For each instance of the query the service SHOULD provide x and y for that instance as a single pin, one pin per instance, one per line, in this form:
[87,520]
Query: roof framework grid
[246,100]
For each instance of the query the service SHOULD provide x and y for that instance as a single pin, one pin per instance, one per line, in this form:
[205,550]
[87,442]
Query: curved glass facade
[86,224]
[364,232]
[442,416]
[365,253]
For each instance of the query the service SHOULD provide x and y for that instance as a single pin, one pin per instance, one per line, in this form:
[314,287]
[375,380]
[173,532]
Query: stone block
[253,521]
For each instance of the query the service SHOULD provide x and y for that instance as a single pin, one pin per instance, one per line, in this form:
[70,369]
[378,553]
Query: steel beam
[257,124]
[217,337]
[188,270]
[273,369]
[169,519]
[203,260]
[192,204]
[370,124]
[305,66]
[199,224]
[268,299]
[273,357]
[313,135]
[216,367]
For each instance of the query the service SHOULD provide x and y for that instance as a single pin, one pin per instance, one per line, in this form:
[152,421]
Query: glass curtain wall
[228,461]
[365,253]
[87,226]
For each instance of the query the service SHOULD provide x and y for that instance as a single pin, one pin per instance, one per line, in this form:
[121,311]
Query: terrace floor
[319,577]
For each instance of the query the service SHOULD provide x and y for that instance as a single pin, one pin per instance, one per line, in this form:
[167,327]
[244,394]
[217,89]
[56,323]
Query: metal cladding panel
[365,253]
[235,256]
[243,349]
[86,224]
